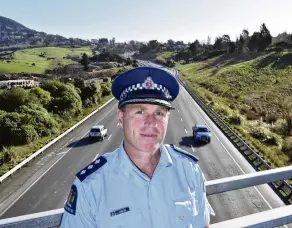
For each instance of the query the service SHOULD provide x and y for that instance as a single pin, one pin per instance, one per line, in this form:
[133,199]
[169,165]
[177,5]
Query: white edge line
[10,172]
[109,137]
[186,131]
[193,148]
[230,154]
[181,119]
[6,209]
[96,157]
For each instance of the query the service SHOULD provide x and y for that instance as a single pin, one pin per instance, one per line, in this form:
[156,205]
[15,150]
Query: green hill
[37,60]
[255,90]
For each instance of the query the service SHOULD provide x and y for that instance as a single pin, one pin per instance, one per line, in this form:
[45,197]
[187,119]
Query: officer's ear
[120,116]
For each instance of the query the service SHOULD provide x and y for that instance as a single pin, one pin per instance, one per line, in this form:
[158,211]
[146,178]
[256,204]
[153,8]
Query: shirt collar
[128,166]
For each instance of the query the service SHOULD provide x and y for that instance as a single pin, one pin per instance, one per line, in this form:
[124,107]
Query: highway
[44,184]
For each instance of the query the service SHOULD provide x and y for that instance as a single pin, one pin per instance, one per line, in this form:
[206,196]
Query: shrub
[251,115]
[287,147]
[23,135]
[272,140]
[258,132]
[234,119]
[271,118]
[209,97]
[39,117]
[280,127]
[106,88]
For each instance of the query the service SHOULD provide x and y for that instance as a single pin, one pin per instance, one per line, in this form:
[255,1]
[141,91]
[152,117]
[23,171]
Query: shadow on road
[188,141]
[82,142]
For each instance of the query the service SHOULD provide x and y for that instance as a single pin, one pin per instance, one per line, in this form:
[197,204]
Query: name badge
[120,211]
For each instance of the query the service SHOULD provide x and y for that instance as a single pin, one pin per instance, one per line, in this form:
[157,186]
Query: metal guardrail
[271,218]
[282,188]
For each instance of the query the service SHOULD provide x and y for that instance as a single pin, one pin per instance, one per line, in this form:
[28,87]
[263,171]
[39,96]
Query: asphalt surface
[44,184]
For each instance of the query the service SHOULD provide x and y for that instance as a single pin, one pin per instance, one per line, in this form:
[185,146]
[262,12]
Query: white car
[97,132]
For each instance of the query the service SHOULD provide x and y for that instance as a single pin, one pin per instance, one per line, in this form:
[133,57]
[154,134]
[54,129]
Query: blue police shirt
[112,192]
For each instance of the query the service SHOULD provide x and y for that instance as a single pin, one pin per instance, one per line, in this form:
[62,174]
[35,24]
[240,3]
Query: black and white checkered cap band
[140,86]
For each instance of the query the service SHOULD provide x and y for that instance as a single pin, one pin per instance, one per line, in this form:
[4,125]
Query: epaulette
[93,166]
[185,153]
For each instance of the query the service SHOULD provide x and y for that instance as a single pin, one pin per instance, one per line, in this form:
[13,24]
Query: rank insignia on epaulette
[93,166]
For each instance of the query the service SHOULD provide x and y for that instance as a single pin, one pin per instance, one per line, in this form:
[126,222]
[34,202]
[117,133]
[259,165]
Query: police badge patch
[70,206]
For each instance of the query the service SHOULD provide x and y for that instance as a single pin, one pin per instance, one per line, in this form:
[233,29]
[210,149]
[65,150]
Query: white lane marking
[181,119]
[186,131]
[62,152]
[109,137]
[95,157]
[193,148]
[229,153]
[177,110]
[49,168]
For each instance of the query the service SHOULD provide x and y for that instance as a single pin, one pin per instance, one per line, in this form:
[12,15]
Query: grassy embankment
[249,87]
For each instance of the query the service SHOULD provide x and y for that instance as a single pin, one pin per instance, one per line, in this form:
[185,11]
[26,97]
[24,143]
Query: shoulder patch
[185,153]
[93,166]
[70,205]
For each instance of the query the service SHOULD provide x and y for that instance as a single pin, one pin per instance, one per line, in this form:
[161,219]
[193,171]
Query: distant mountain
[16,35]
[8,25]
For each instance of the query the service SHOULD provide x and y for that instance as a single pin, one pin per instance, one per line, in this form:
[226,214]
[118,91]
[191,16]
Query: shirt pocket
[185,211]
[129,219]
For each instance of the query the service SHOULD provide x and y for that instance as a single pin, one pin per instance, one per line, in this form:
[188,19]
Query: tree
[11,99]
[103,41]
[225,38]
[85,61]
[37,116]
[14,130]
[113,41]
[106,88]
[143,49]
[254,42]
[153,44]
[65,97]
[266,38]
[170,43]
[91,94]
[195,47]
[231,47]
[218,43]
[79,83]
[208,40]
[42,96]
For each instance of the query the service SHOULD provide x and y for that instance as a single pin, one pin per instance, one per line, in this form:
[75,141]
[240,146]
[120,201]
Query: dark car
[201,133]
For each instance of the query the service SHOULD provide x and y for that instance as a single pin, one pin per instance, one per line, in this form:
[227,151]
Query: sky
[126,20]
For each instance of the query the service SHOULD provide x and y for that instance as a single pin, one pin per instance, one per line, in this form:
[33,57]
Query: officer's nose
[150,120]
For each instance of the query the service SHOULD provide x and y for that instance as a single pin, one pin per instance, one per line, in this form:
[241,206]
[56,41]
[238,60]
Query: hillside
[38,60]
[252,92]
[16,35]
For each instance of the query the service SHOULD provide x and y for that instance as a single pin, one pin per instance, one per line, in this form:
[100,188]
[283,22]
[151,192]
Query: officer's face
[144,126]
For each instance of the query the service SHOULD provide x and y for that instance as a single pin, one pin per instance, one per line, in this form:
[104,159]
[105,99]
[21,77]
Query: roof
[201,125]
[97,126]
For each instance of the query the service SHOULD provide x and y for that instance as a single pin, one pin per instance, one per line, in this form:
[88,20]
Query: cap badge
[148,83]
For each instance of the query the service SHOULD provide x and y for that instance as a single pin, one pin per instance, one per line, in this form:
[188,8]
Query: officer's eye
[160,113]
[140,112]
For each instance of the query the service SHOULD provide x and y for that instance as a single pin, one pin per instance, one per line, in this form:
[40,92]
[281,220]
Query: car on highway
[97,132]
[201,133]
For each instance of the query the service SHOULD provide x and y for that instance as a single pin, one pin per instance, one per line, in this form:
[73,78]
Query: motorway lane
[51,190]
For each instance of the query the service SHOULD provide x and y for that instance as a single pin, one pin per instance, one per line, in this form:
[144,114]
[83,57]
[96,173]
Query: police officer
[143,183]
